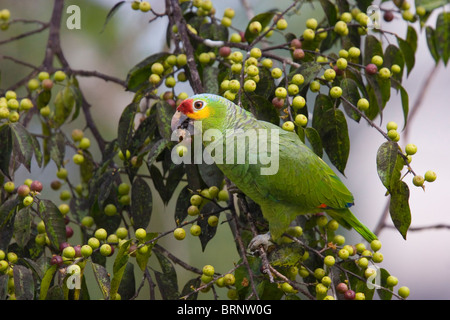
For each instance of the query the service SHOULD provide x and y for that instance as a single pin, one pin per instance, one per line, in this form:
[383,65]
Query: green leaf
[22,226]
[408,54]
[372,47]
[266,83]
[442,34]
[24,145]
[431,42]
[141,203]
[430,5]
[411,37]
[57,147]
[138,76]
[393,55]
[208,232]
[322,104]
[102,277]
[6,147]
[399,207]
[189,287]
[330,12]
[142,258]
[126,126]
[405,105]
[351,93]
[164,114]
[262,108]
[4,287]
[23,283]
[335,139]
[264,18]
[46,281]
[211,174]
[43,99]
[64,103]
[7,214]
[54,222]
[111,13]
[127,288]
[210,83]
[119,266]
[167,280]
[156,148]
[389,164]
[182,205]
[384,294]
[314,139]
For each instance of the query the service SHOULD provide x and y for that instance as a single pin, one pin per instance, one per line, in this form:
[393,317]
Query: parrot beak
[182,124]
[179,121]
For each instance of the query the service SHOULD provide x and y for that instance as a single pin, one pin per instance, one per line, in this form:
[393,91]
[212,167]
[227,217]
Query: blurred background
[421,262]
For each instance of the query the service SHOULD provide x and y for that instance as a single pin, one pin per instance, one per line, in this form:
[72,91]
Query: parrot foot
[263,240]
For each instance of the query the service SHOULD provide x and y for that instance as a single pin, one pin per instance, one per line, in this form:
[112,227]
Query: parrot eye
[198,104]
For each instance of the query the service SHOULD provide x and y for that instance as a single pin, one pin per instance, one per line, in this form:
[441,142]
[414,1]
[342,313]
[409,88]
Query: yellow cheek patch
[201,114]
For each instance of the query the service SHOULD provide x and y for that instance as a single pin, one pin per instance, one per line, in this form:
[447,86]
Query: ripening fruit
[418,180]
[208,270]
[87,221]
[314,86]
[9,186]
[223,195]
[363,104]
[193,211]
[391,281]
[179,233]
[140,234]
[309,34]
[375,245]
[145,6]
[252,70]
[106,250]
[301,120]
[94,243]
[288,126]
[322,220]
[68,252]
[276,73]
[84,144]
[110,210]
[86,251]
[354,52]
[101,234]
[430,176]
[410,149]
[336,92]
[384,73]
[403,292]
[235,37]
[196,200]
[229,279]
[341,28]
[343,254]
[281,24]
[255,27]
[377,257]
[27,201]
[298,79]
[249,85]
[280,92]
[298,102]
[371,69]
[329,74]
[391,125]
[59,76]
[377,60]
[195,230]
[312,23]
[78,158]
[23,190]
[204,58]
[329,261]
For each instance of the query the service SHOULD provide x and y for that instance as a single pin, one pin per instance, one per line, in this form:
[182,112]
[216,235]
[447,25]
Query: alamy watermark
[374,14]
[236,146]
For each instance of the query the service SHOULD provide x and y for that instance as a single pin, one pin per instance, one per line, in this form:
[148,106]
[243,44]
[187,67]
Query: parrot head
[208,108]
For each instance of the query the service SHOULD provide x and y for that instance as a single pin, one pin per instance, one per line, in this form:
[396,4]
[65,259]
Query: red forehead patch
[186,106]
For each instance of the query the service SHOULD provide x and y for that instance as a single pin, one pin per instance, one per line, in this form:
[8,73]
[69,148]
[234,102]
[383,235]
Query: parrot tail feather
[346,218]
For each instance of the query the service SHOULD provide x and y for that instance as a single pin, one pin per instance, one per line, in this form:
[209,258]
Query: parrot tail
[346,218]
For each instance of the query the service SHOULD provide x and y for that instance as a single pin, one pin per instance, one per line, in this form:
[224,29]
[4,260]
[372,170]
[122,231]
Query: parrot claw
[263,240]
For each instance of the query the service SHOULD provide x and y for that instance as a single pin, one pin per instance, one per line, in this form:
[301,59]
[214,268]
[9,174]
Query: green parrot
[300,183]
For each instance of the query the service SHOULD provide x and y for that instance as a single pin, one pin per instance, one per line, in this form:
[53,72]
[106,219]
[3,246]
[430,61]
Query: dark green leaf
[210,174]
[156,148]
[363,4]
[4,287]
[23,144]
[314,140]
[372,47]
[43,98]
[182,205]
[64,103]
[164,114]
[126,126]
[408,54]
[167,280]
[322,104]
[57,147]
[431,42]
[127,288]
[430,5]
[351,93]
[102,277]
[262,108]
[411,37]
[210,83]
[141,203]
[399,207]
[54,222]
[384,294]
[266,83]
[6,149]
[22,226]
[405,105]
[111,13]
[264,18]
[330,12]
[23,283]
[119,266]
[190,286]
[335,140]
[46,281]
[208,232]
[7,211]
[139,74]
[393,55]
[442,34]
[389,164]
